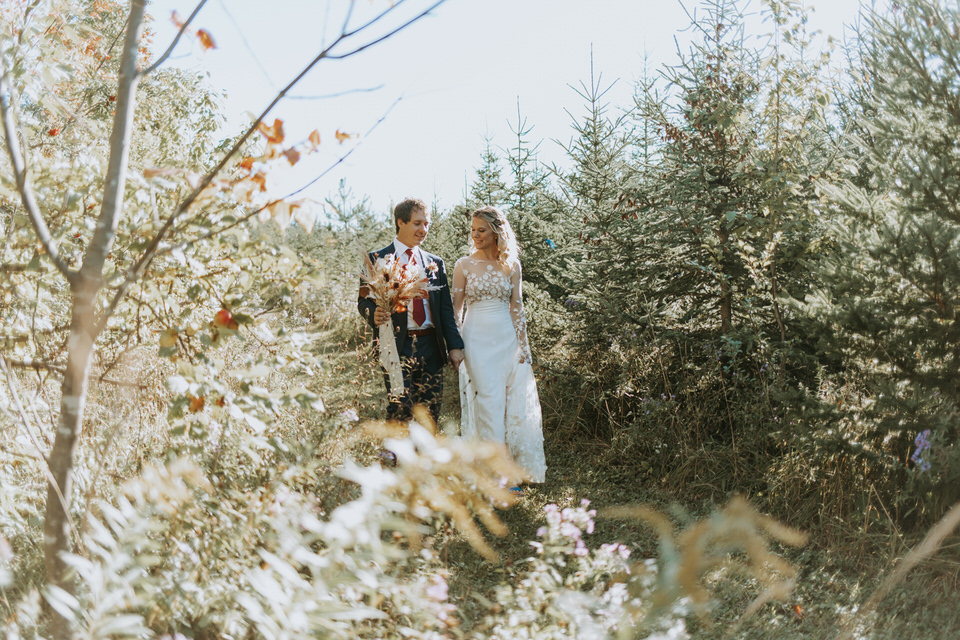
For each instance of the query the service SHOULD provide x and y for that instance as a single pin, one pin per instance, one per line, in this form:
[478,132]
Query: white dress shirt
[401,253]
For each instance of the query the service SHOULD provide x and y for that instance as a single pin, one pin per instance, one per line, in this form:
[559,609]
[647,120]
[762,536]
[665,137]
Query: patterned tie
[419,313]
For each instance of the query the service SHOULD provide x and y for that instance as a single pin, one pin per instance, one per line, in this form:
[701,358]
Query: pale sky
[458,75]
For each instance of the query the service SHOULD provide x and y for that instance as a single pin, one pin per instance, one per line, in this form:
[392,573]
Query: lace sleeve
[459,291]
[516,313]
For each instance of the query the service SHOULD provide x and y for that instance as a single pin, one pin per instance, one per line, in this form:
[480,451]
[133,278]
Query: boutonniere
[431,267]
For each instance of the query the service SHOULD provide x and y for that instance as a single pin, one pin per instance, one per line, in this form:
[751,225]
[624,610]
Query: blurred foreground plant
[207,554]
[573,591]
[451,477]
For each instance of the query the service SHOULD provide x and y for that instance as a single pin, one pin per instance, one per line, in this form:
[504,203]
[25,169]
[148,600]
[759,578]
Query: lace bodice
[484,281]
[476,280]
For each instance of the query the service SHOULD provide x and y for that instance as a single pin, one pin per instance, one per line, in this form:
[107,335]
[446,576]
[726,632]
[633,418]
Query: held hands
[456,357]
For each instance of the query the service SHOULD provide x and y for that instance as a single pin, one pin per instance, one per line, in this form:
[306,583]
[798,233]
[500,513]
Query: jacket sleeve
[365,305]
[446,320]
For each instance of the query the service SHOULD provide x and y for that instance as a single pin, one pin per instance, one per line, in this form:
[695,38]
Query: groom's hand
[380,316]
[456,357]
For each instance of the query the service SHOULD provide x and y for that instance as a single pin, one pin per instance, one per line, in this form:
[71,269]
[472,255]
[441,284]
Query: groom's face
[412,233]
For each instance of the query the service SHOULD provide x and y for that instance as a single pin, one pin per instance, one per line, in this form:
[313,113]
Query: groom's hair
[404,211]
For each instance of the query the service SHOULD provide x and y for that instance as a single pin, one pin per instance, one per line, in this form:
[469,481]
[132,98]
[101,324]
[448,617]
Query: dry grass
[832,582]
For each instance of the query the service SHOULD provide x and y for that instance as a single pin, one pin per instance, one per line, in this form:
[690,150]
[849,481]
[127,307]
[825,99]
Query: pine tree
[724,210]
[488,188]
[529,180]
[589,191]
[896,289]
[529,206]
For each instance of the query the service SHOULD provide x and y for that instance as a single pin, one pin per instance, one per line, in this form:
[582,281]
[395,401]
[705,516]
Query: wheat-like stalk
[391,284]
[928,547]
[687,557]
[459,479]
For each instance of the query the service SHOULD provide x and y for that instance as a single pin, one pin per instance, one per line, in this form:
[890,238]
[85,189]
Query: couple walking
[480,330]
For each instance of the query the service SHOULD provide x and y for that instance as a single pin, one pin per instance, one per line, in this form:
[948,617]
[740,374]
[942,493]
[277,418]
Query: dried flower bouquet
[392,285]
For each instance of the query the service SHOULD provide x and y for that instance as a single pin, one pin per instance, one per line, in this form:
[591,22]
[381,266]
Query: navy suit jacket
[441,308]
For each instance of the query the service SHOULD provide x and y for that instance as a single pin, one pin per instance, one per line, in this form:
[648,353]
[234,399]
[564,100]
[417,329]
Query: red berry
[222,318]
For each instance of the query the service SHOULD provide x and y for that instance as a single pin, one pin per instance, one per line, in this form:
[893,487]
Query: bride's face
[484,238]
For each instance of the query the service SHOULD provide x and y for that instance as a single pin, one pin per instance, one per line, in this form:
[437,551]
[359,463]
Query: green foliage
[689,222]
[891,288]
[725,294]
[488,188]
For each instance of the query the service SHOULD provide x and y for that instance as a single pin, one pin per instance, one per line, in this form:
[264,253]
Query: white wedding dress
[498,393]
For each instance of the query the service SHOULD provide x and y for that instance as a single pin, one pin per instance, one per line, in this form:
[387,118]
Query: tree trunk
[57,524]
[774,294]
[726,294]
[84,323]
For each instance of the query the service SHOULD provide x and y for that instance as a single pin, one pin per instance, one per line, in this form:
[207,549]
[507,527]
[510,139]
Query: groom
[427,329]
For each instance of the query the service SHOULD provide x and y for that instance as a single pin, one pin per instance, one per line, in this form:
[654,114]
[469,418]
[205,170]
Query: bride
[498,393]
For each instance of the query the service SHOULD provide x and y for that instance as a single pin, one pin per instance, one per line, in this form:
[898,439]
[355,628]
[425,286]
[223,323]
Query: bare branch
[339,94]
[256,212]
[176,39]
[38,365]
[25,423]
[387,35]
[154,247]
[380,16]
[23,181]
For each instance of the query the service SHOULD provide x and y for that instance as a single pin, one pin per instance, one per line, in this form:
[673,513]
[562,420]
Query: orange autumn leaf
[206,40]
[244,190]
[314,139]
[280,212]
[292,156]
[246,163]
[261,179]
[341,136]
[196,404]
[176,20]
[274,134]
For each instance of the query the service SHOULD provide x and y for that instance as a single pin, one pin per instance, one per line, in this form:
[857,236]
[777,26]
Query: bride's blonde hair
[506,240]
